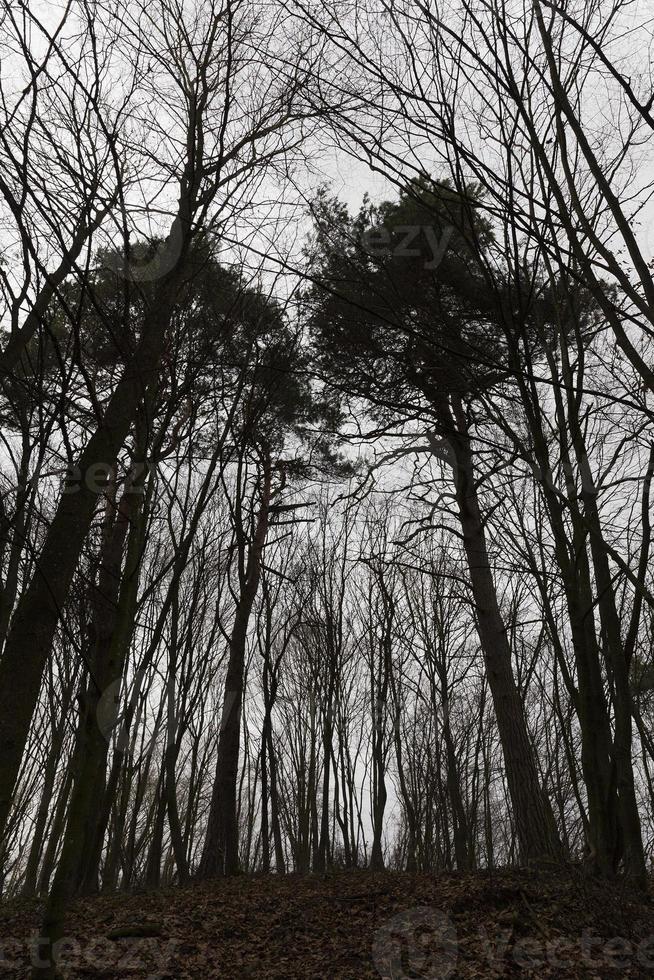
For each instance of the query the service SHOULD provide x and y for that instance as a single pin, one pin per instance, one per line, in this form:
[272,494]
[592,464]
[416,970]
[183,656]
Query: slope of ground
[350,925]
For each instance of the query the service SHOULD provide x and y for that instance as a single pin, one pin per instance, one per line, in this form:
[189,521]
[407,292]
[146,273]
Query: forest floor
[350,925]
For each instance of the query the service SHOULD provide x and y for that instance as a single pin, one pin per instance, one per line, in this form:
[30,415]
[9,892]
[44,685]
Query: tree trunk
[112,624]
[32,631]
[534,820]
[56,831]
[30,885]
[459,818]
[155,851]
[618,668]
[220,855]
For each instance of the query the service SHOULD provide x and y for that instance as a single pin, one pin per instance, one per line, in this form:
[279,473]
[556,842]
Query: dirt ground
[350,925]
